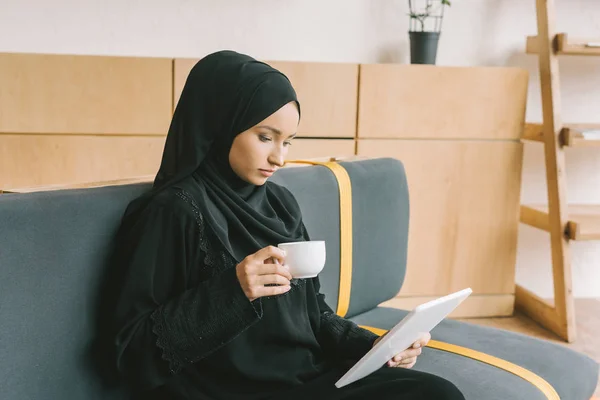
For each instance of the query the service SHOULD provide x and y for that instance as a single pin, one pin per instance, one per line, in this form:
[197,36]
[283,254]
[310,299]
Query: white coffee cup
[304,259]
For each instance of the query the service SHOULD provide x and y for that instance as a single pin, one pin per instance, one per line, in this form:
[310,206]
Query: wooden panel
[316,148]
[66,94]
[499,305]
[83,185]
[181,70]
[33,160]
[424,101]
[327,93]
[464,202]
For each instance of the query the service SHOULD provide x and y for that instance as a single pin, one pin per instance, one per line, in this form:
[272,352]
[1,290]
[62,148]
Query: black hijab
[225,94]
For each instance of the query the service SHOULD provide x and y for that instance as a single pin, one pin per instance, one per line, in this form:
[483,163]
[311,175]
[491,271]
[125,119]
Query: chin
[257,181]
[260,182]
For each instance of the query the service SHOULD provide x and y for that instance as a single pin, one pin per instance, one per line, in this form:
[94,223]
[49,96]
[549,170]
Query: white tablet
[419,321]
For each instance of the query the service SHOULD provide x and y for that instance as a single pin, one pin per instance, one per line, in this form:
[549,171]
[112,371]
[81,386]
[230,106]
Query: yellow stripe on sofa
[521,372]
[345,189]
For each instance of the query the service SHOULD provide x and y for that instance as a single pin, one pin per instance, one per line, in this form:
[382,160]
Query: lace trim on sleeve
[213,262]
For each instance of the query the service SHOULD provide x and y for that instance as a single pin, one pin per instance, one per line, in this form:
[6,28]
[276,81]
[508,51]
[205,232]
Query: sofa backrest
[55,249]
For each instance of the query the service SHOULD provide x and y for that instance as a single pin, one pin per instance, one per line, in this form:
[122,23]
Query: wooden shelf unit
[564,222]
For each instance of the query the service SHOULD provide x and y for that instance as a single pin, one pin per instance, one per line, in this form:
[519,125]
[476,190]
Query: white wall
[475,32]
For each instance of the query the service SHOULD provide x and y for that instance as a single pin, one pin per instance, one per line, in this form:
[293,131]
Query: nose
[277,157]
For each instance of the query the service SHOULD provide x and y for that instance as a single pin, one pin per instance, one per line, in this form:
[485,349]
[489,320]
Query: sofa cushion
[55,246]
[573,375]
[55,257]
[380,215]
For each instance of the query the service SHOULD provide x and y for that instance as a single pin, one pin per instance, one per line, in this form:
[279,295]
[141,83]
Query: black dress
[184,328]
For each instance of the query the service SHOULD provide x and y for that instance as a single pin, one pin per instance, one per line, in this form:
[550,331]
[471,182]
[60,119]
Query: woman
[207,309]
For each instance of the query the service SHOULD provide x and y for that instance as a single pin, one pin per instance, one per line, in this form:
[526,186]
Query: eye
[264,138]
[287,143]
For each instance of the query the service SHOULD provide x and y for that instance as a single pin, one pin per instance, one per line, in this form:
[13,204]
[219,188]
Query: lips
[267,172]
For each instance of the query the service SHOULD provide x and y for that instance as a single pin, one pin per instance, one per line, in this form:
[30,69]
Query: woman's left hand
[408,357]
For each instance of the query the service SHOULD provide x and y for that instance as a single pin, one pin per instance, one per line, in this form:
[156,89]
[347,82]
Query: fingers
[261,291]
[408,353]
[269,280]
[423,340]
[258,279]
[406,359]
[404,363]
[270,251]
[269,269]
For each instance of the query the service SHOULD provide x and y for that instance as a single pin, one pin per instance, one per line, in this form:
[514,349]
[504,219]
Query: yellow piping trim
[345,189]
[521,372]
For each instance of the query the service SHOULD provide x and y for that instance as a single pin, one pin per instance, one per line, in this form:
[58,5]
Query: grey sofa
[55,273]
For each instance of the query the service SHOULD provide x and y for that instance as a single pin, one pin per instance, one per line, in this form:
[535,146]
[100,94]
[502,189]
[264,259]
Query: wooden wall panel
[34,160]
[181,70]
[64,94]
[425,102]
[317,148]
[464,202]
[327,93]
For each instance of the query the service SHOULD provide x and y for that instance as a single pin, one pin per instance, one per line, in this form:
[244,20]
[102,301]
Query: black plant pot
[423,47]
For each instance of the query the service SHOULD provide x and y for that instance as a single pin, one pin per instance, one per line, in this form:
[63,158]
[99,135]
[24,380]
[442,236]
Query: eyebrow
[274,130]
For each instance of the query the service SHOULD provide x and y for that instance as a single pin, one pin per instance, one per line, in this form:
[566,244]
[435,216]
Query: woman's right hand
[253,273]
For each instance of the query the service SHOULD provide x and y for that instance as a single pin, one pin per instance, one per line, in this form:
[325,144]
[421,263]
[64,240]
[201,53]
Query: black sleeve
[341,338]
[162,321]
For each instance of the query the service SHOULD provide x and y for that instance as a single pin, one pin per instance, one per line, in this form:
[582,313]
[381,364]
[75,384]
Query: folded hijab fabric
[225,94]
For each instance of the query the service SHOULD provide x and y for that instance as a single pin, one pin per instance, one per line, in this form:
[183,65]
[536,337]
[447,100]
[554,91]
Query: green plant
[428,11]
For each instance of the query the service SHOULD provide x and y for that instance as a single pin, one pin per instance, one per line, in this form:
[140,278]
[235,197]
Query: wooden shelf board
[582,135]
[577,47]
[573,135]
[583,220]
[562,46]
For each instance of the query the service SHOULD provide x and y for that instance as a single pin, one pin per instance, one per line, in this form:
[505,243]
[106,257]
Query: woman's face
[259,151]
